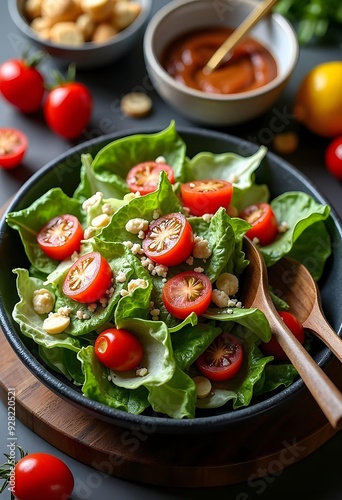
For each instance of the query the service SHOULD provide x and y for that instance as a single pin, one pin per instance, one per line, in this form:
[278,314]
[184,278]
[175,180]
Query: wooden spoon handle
[320,386]
[317,323]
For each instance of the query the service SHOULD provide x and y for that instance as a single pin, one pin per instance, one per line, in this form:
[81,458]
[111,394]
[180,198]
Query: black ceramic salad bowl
[64,172]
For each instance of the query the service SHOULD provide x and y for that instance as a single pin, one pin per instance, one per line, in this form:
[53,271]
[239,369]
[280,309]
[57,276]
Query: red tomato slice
[169,240]
[61,236]
[206,196]
[119,350]
[263,221]
[223,358]
[272,348]
[186,293]
[42,476]
[144,177]
[88,279]
[13,145]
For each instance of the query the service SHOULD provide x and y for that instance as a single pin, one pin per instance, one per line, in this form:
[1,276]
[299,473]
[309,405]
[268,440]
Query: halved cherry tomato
[186,293]
[222,359]
[61,236]
[42,476]
[88,279]
[263,221]
[333,157]
[13,145]
[119,350]
[144,176]
[169,240]
[206,196]
[272,348]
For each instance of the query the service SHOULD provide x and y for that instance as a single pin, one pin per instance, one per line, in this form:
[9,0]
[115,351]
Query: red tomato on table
[22,85]
[118,349]
[273,348]
[263,221]
[41,476]
[68,108]
[186,293]
[13,146]
[169,240]
[88,279]
[61,236]
[333,157]
[144,177]
[223,359]
[206,196]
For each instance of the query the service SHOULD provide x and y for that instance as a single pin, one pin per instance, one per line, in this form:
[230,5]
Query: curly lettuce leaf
[304,217]
[30,220]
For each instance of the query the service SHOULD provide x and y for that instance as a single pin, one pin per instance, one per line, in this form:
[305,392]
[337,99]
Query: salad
[134,296]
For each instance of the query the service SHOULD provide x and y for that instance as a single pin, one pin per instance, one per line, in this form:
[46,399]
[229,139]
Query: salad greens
[170,346]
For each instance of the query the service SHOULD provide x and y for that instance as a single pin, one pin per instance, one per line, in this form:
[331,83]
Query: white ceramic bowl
[89,55]
[181,16]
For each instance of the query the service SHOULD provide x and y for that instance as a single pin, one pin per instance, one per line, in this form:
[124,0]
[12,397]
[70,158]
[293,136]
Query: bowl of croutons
[90,33]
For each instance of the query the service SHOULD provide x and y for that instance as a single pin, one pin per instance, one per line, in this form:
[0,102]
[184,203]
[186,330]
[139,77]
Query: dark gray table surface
[316,477]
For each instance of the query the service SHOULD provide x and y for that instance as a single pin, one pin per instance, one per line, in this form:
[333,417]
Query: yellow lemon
[318,102]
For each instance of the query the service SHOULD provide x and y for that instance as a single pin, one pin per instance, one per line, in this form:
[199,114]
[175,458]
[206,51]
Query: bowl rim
[159,424]
[21,23]
[153,62]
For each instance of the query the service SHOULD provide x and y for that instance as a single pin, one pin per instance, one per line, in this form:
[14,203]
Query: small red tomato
[169,240]
[186,293]
[67,109]
[263,221]
[222,359]
[22,85]
[88,279]
[61,236]
[118,350]
[333,157]
[272,348]
[206,196]
[13,146]
[144,177]
[41,476]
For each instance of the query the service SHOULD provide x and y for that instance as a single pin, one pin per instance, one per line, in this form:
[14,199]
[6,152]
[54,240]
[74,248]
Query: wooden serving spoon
[255,293]
[289,279]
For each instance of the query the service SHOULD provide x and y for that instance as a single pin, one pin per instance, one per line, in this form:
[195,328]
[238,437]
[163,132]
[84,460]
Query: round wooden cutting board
[272,443]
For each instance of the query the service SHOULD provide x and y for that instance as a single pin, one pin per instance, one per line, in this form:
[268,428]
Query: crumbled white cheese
[107,209]
[134,226]
[283,227]
[201,248]
[199,270]
[220,298]
[90,202]
[120,277]
[207,217]
[141,372]
[42,301]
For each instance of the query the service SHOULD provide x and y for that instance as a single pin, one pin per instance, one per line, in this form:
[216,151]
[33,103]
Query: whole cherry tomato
[333,157]
[21,84]
[67,109]
[118,349]
[13,145]
[41,476]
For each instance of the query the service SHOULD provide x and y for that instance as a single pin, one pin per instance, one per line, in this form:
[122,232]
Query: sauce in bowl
[251,65]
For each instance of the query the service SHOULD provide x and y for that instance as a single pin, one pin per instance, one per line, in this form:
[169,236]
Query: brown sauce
[251,65]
